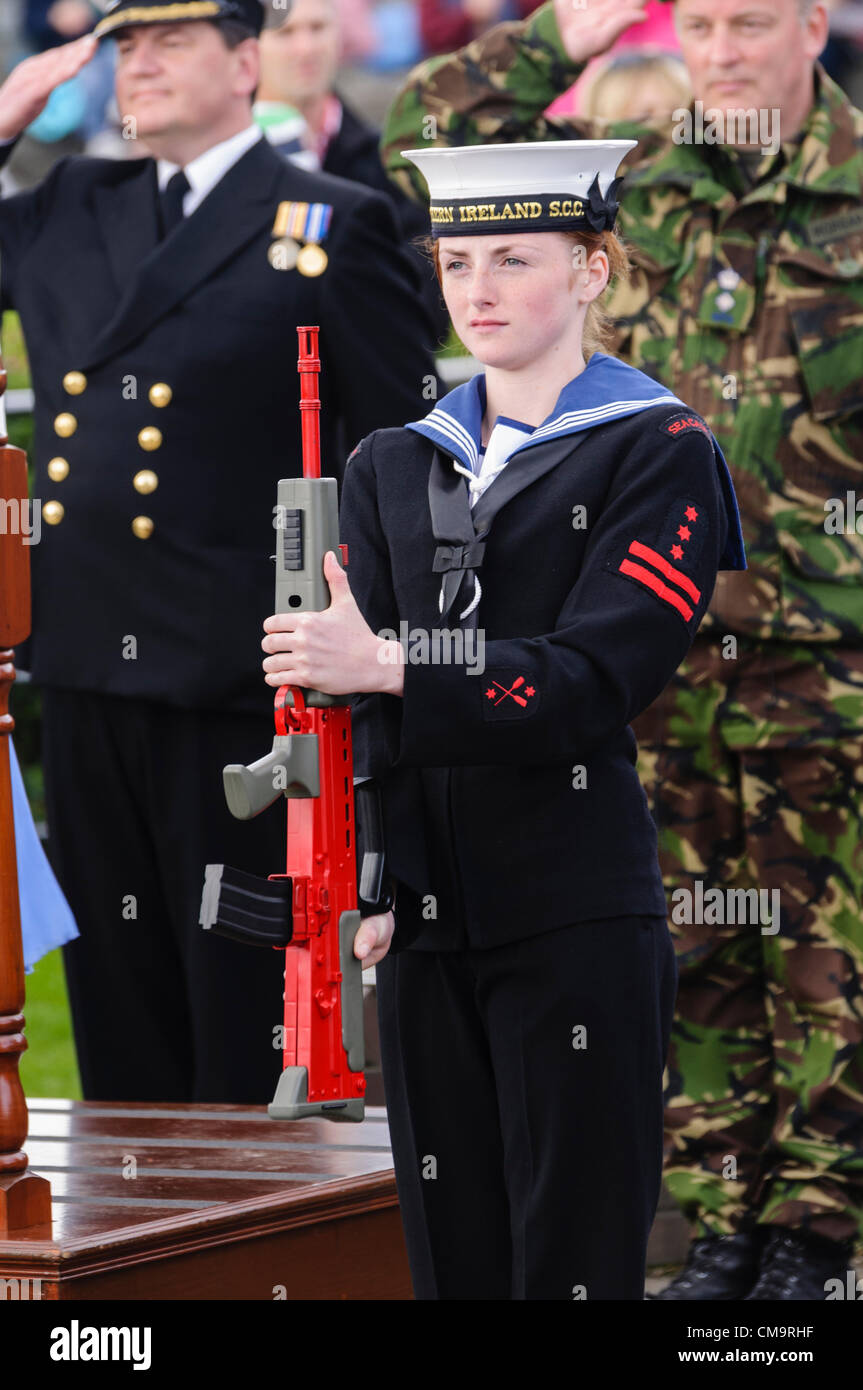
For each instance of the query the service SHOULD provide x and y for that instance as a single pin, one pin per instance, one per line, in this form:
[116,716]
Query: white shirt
[205,172]
[505,438]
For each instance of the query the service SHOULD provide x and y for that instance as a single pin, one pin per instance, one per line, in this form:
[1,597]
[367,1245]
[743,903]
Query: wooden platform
[210,1201]
[221,1202]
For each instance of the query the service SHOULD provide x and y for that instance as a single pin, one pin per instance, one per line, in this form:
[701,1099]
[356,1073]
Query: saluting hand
[334,651]
[26,90]
[589,27]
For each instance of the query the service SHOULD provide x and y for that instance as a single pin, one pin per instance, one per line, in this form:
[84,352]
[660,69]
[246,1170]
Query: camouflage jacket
[747,304]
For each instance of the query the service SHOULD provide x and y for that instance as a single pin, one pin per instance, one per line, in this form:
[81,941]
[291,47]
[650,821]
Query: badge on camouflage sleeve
[664,567]
[508,694]
[727,300]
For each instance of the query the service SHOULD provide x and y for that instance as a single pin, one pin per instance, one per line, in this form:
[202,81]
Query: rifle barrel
[309,366]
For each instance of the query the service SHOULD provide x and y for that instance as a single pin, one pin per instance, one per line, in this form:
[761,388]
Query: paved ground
[655,1282]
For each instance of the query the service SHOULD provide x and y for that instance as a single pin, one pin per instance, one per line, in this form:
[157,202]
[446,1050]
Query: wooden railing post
[25,1199]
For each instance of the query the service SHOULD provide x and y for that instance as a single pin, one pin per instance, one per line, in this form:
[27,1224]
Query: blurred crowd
[324,48]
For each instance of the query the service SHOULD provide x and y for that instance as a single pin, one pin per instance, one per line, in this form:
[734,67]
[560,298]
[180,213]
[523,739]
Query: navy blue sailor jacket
[537,623]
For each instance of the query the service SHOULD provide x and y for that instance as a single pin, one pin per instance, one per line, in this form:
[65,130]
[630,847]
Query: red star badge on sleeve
[677,552]
[691,514]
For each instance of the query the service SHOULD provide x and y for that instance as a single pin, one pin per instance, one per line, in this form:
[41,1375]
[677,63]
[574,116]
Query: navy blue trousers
[524,1095]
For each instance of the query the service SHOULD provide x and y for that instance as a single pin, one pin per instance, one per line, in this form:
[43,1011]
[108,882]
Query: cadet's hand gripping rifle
[311,909]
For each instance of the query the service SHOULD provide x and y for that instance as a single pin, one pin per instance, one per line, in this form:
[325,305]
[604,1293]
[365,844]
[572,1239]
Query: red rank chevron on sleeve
[657,567]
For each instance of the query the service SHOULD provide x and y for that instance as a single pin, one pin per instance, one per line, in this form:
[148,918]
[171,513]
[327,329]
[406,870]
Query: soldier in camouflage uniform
[746,300]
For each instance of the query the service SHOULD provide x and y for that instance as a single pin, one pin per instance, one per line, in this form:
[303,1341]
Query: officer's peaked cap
[120,14]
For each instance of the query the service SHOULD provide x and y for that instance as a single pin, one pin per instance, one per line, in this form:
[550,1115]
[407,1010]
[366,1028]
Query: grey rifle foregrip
[291,1099]
[290,769]
[307,526]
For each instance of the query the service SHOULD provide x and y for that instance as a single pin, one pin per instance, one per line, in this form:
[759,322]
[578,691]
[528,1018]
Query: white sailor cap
[538,186]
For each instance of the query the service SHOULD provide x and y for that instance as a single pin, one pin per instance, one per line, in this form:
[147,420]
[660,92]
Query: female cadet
[528,567]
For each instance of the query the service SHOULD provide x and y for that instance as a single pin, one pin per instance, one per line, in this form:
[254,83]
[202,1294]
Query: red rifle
[311,911]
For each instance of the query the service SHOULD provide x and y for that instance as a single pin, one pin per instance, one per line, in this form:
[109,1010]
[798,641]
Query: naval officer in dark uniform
[159,299]
[529,564]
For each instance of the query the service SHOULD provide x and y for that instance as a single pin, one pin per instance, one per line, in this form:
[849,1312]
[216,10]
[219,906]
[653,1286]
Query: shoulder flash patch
[682,421]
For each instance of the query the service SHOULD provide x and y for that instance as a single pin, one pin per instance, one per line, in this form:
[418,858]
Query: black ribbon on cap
[601,212]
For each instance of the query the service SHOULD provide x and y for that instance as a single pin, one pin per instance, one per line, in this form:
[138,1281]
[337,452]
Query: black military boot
[797,1265]
[717,1268]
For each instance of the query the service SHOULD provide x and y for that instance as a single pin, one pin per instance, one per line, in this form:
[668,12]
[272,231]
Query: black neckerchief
[461,532]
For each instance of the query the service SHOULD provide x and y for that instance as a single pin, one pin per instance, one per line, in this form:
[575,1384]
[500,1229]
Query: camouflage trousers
[753,768]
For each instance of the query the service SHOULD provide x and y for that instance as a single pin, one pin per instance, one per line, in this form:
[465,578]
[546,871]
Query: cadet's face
[752,54]
[299,60]
[513,299]
[175,78]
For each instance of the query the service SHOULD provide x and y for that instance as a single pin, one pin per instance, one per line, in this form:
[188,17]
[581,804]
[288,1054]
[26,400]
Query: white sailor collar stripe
[584,419]
[451,433]
[606,390]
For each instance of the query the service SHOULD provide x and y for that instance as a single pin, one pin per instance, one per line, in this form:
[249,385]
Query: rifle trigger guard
[289,717]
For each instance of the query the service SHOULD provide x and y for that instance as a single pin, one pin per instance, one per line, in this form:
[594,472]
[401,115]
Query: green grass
[48,1067]
[453,347]
[14,352]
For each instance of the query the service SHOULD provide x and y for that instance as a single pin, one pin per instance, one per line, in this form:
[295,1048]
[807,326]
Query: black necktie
[171,201]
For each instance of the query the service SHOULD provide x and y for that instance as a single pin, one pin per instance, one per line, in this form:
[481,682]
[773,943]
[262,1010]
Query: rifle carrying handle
[307,526]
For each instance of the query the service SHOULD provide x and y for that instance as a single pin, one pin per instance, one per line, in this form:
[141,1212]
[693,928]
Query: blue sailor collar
[606,390]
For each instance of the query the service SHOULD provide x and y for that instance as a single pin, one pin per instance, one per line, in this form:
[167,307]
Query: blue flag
[46,918]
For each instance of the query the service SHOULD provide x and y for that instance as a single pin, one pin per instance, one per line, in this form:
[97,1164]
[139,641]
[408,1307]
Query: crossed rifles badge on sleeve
[297,223]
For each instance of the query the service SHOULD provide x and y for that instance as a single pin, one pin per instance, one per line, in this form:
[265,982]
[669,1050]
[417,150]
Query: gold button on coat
[74,383]
[150,438]
[58,469]
[65,425]
[145,481]
[143,527]
[53,512]
[160,394]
